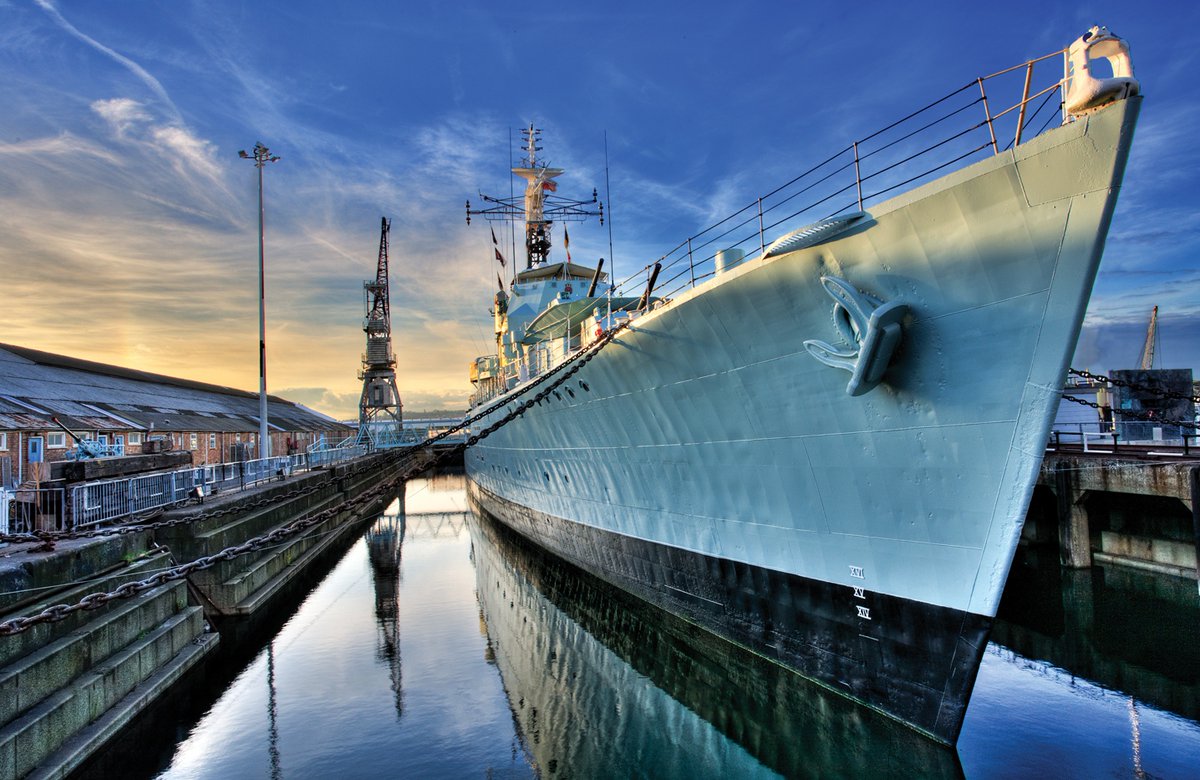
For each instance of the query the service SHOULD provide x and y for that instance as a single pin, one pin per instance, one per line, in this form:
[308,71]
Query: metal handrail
[105,500]
[697,264]
[692,261]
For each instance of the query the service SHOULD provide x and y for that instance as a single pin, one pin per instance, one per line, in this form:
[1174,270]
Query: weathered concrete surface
[1121,474]
[1077,477]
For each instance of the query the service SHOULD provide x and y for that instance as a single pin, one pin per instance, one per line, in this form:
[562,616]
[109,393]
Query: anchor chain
[1132,413]
[92,601]
[1135,386]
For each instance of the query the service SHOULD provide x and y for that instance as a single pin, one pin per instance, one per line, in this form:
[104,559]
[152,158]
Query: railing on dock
[1105,437]
[28,509]
[98,502]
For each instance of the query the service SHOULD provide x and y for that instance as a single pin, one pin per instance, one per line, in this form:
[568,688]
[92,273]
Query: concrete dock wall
[67,687]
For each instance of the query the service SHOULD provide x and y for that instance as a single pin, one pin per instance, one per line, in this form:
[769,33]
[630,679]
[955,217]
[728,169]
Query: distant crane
[1151,344]
[379,408]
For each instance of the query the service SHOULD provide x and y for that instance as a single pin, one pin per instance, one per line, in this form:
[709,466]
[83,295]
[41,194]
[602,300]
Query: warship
[813,428]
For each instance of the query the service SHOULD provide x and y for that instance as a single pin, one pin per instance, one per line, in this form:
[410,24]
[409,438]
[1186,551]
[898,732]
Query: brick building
[124,408]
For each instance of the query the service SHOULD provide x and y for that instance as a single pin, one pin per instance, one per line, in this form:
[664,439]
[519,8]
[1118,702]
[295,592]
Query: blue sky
[128,223]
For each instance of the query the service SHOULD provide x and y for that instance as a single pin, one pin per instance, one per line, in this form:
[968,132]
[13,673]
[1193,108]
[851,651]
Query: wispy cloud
[137,70]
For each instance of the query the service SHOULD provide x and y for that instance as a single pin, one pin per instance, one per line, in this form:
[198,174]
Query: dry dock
[132,625]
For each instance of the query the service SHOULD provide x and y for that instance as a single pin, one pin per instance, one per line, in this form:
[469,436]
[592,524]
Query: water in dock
[440,646]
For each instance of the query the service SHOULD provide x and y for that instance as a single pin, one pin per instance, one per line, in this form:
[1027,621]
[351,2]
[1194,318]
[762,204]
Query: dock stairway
[67,686]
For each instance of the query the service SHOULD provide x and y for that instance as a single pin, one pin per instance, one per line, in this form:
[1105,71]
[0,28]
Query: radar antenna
[539,207]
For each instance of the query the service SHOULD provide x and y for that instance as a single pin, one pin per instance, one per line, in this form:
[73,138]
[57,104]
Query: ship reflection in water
[518,665]
[604,685]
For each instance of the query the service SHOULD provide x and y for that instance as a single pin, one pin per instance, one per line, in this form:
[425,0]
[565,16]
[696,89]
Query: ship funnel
[728,258]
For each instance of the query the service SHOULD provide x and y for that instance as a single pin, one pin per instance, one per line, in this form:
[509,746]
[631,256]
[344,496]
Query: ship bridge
[566,318]
[559,271]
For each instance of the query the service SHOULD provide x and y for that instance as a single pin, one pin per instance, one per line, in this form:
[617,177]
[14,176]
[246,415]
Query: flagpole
[512,225]
[612,260]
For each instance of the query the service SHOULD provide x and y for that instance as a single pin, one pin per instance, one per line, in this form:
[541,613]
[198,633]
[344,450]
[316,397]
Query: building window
[212,441]
[56,441]
[192,442]
[135,438]
[3,441]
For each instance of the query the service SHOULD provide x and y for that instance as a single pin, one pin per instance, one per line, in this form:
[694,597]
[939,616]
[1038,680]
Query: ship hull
[918,668]
[592,672]
[707,462]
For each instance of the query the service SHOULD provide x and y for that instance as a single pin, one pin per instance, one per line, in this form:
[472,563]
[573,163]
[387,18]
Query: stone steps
[248,590]
[42,634]
[139,653]
[27,681]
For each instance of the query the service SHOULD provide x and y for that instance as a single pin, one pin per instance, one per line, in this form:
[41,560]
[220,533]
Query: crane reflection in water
[385,546]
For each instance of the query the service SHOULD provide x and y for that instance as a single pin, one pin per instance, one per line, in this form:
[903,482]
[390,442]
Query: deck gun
[85,448]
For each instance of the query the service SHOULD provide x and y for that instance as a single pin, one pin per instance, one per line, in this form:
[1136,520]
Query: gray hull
[710,430]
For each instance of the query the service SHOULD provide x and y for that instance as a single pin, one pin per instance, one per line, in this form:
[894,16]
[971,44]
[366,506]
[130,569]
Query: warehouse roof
[36,385]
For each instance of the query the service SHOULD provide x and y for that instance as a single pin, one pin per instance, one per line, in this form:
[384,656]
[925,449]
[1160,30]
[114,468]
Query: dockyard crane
[379,410]
[1147,361]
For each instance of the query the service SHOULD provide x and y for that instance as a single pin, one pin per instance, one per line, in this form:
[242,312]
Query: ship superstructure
[537,317]
[822,445]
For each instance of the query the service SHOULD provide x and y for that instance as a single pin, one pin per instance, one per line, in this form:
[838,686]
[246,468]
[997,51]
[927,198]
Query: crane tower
[1146,362]
[379,409]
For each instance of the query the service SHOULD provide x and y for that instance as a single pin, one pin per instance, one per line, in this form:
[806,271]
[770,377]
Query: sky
[129,225]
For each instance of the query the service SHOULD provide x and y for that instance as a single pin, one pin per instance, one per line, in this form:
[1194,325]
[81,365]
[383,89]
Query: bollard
[1194,473]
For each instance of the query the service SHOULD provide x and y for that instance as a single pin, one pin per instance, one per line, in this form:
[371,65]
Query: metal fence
[32,509]
[1094,435]
[98,502]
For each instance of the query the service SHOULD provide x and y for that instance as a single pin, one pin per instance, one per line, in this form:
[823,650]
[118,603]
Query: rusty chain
[1134,386]
[1139,415]
[92,601]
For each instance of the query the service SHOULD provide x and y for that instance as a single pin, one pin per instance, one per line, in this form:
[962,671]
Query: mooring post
[1074,532]
[1194,474]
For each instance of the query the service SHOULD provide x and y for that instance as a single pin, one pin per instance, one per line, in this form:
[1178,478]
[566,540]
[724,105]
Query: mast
[539,207]
[538,181]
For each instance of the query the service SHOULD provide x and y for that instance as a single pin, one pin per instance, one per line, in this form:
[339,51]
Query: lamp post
[261,156]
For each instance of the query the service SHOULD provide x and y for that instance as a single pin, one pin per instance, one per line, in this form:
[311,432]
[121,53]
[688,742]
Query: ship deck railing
[946,134]
[949,132]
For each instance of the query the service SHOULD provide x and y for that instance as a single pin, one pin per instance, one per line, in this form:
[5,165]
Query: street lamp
[261,156]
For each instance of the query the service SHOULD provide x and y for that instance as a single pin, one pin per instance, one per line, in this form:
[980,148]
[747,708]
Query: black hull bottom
[911,661]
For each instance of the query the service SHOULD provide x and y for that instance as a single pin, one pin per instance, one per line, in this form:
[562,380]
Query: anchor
[872,324]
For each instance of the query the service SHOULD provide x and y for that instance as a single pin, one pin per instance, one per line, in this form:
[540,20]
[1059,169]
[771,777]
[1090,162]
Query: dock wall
[1086,487]
[67,687]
